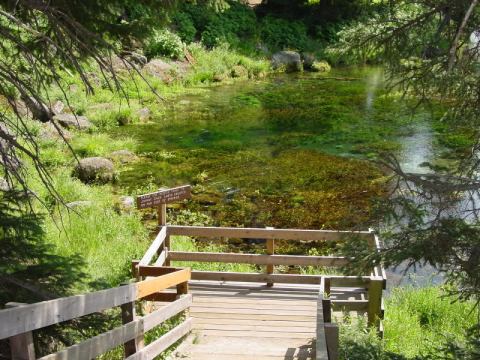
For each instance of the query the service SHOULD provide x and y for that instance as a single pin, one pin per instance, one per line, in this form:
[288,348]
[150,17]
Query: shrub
[185,27]
[165,43]
[283,34]
[236,22]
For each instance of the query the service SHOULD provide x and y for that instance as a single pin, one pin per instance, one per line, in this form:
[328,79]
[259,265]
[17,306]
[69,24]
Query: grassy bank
[419,323]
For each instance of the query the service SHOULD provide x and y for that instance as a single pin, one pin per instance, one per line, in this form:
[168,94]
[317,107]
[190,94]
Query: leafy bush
[419,324]
[184,26]
[165,43]
[234,23]
[220,60]
[284,34]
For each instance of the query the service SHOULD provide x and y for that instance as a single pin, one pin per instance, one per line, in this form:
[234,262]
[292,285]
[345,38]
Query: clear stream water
[286,151]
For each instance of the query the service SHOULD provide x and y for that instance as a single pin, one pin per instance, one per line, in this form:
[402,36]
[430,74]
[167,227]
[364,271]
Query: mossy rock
[321,66]
[239,71]
[288,61]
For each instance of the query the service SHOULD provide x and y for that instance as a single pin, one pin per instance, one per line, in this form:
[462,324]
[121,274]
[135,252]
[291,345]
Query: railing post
[162,221]
[182,289]
[21,345]
[128,315]
[375,301]
[135,273]
[270,251]
[326,302]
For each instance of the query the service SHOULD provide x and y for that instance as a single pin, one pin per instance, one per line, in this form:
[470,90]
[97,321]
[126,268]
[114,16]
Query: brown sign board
[160,197]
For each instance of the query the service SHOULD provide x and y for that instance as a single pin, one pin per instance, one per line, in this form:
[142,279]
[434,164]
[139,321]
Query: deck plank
[251,321]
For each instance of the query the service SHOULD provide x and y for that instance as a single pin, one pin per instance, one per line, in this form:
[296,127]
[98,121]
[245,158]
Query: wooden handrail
[258,259]
[100,344]
[261,233]
[42,314]
[154,247]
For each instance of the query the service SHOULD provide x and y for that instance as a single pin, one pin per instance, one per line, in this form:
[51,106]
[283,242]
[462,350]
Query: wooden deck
[251,321]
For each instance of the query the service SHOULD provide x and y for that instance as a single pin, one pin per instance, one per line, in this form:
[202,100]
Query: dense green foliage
[165,43]
[421,324]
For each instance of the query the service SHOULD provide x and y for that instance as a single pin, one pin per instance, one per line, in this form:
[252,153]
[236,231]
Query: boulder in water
[290,61]
[123,156]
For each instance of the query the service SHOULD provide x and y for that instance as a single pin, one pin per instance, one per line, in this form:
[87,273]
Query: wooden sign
[160,197]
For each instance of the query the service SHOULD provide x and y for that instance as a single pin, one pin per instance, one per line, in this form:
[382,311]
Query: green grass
[418,323]
[101,144]
[182,243]
[102,236]
[220,61]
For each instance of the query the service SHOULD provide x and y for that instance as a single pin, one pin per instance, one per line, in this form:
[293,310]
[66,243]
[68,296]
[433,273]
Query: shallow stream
[287,151]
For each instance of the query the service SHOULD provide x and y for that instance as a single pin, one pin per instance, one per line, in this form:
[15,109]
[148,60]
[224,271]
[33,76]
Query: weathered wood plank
[256,305]
[321,352]
[261,334]
[349,281]
[161,258]
[375,301]
[129,315]
[100,344]
[199,309]
[259,259]
[164,342]
[150,270]
[21,345]
[246,301]
[268,317]
[350,305]
[258,328]
[254,277]
[260,233]
[161,297]
[152,250]
[154,285]
[254,322]
[35,316]
[332,336]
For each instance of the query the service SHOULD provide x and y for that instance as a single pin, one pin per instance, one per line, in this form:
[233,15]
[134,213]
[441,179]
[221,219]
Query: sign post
[159,200]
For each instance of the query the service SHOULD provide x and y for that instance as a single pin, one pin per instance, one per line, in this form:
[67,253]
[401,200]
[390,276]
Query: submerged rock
[95,169]
[290,61]
[70,121]
[308,60]
[123,156]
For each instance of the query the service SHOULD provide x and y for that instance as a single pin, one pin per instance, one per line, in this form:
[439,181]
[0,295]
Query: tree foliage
[429,57]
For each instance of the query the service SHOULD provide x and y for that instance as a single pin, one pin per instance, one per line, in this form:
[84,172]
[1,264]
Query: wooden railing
[19,320]
[158,257]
